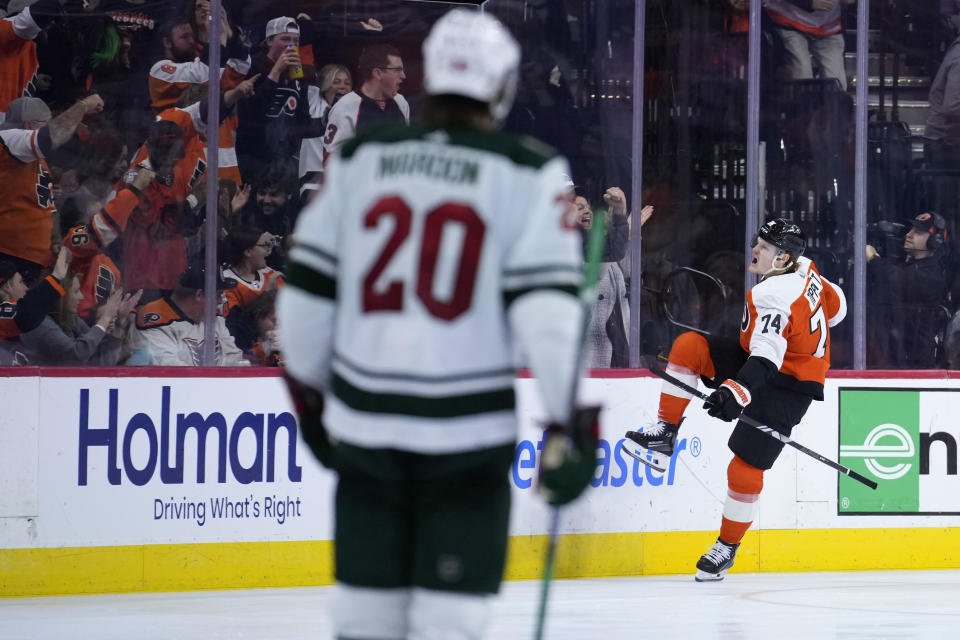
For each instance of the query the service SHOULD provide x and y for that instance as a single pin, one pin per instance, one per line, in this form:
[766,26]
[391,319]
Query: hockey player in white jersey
[430,254]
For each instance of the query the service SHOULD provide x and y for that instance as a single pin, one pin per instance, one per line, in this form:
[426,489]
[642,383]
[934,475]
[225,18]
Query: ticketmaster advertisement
[906,440]
[132,461]
[107,461]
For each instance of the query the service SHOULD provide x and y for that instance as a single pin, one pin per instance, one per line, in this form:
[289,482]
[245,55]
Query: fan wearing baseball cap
[906,296]
[273,123]
[28,136]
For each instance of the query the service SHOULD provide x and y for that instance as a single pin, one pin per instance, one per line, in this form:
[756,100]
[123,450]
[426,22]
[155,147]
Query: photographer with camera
[910,297]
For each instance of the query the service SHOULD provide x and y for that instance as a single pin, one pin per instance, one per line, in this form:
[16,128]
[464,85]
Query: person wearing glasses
[377,101]
[246,252]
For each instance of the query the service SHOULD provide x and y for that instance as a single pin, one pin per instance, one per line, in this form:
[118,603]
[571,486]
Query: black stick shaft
[770,432]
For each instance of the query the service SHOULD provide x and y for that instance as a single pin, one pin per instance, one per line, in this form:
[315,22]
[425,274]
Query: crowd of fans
[103,167]
[103,107]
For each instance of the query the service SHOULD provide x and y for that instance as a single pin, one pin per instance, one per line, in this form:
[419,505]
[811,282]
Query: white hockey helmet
[471,54]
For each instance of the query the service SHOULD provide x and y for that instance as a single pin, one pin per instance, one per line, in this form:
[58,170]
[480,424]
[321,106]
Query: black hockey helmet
[784,235]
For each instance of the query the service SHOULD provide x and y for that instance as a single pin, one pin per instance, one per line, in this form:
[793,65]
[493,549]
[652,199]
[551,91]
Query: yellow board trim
[247,565]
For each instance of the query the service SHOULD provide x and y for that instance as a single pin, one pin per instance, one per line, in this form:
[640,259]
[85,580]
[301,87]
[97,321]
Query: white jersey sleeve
[341,123]
[311,149]
[24,25]
[772,312]
[22,144]
[307,305]
[404,107]
[541,276]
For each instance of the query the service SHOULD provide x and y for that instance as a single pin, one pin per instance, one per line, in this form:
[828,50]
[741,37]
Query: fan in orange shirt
[246,252]
[27,136]
[154,247]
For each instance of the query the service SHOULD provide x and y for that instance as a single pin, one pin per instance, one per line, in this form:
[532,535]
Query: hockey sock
[689,358]
[744,485]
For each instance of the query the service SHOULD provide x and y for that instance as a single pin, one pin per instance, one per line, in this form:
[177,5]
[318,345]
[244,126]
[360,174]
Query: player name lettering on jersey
[450,169]
[814,289]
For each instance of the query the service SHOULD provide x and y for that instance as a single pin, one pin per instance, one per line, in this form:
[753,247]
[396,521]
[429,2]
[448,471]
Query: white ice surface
[810,606]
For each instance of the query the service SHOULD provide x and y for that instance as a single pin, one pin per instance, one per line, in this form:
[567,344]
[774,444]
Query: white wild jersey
[417,246]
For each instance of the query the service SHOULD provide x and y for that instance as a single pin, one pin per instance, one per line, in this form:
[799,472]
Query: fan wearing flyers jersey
[273,123]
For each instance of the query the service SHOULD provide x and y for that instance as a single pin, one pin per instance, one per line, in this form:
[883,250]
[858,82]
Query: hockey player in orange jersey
[770,375]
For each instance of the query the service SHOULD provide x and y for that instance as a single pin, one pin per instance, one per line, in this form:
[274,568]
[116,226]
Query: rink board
[107,486]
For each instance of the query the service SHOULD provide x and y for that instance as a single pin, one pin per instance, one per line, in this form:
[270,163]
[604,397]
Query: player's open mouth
[754,261]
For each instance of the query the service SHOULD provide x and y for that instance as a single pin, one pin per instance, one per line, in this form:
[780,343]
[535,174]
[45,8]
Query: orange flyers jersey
[87,240]
[26,207]
[158,313]
[787,320]
[98,281]
[247,291]
[194,163]
[99,275]
[189,169]
[169,79]
[18,58]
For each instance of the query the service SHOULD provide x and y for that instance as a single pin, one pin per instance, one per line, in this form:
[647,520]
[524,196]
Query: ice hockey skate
[654,444]
[713,565]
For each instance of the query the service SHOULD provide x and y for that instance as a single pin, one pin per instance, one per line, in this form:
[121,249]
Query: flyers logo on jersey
[168,68]
[105,284]
[44,189]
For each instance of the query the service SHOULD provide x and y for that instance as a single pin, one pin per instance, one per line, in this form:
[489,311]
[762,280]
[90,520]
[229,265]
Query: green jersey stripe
[317,251]
[522,151]
[310,280]
[421,406]
[510,296]
[545,268]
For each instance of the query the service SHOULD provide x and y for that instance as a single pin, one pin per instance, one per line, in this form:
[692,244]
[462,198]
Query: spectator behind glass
[810,31]
[170,330]
[906,297]
[273,123]
[254,326]
[181,66]
[17,35]
[23,309]
[606,345]
[333,82]
[950,14]
[27,209]
[273,208]
[154,247]
[943,120]
[246,252]
[378,100]
[63,338]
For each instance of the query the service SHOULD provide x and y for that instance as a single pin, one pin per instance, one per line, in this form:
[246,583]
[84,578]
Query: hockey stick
[588,295]
[767,430]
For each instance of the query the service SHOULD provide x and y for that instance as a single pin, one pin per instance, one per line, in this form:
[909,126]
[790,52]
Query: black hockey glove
[733,394]
[728,401]
[309,405]
[569,457]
